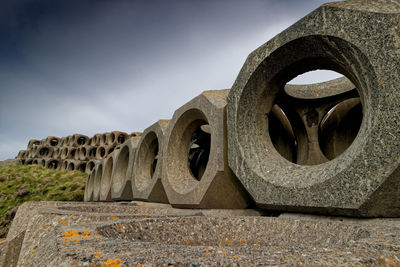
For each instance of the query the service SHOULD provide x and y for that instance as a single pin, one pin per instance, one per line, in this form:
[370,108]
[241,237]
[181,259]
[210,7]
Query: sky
[94,66]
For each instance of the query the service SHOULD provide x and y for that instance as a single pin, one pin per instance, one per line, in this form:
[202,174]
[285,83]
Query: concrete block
[121,180]
[52,141]
[78,140]
[33,142]
[357,39]
[147,168]
[88,196]
[116,138]
[105,188]
[195,170]
[90,165]
[97,181]
[53,164]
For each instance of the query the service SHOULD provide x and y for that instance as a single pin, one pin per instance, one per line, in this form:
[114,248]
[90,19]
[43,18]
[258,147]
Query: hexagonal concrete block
[121,180]
[105,188]
[195,170]
[116,138]
[88,196]
[97,181]
[147,183]
[360,40]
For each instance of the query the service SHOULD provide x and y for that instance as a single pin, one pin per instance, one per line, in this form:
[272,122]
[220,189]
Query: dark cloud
[92,66]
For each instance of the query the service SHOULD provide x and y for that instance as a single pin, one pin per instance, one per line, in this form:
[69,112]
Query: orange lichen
[382,80]
[236,257]
[75,236]
[98,253]
[219,227]
[62,221]
[317,92]
[242,242]
[121,227]
[113,217]
[111,263]
[391,262]
[223,252]
[228,242]
[143,204]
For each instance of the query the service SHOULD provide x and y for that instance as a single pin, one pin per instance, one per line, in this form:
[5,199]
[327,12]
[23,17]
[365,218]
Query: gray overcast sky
[92,66]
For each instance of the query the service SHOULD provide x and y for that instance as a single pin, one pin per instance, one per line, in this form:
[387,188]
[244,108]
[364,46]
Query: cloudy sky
[92,66]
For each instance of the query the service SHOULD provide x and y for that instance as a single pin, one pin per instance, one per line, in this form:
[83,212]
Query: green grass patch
[20,183]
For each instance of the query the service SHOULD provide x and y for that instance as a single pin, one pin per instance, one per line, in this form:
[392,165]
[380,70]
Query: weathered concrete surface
[148,162]
[105,188]
[97,181]
[121,179]
[319,90]
[358,39]
[116,138]
[92,234]
[211,184]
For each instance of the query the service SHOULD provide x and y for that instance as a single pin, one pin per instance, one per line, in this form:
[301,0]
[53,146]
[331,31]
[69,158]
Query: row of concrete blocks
[362,178]
[62,146]
[156,166]
[72,153]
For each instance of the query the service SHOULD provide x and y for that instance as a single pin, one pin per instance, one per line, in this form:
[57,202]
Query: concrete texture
[129,234]
[89,188]
[116,138]
[105,188]
[97,181]
[148,162]
[121,180]
[200,127]
[358,39]
[319,90]
[91,164]
[52,141]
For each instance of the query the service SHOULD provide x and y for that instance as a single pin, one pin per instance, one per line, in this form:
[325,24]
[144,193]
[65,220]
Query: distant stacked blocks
[75,152]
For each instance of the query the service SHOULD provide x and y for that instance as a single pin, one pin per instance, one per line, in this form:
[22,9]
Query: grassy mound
[20,183]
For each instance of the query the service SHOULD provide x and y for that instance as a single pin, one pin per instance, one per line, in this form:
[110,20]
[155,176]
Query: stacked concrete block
[73,152]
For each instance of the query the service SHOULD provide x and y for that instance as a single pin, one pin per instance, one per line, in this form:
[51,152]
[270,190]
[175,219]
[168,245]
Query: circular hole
[314,130]
[199,150]
[112,137]
[91,165]
[71,166]
[53,164]
[92,152]
[82,152]
[81,140]
[121,168]
[121,139]
[82,167]
[53,142]
[102,152]
[44,151]
[65,165]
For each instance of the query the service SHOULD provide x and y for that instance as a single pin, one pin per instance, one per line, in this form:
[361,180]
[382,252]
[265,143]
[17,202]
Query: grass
[21,183]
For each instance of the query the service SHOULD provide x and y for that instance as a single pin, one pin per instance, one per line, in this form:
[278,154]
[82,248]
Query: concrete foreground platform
[150,234]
